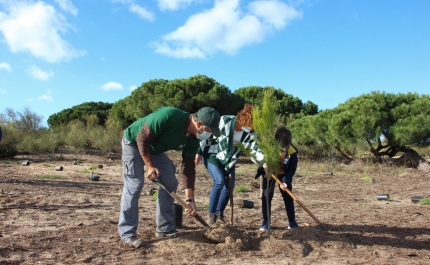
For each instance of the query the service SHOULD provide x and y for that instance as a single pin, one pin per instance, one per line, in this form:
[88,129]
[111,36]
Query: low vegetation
[50,177]
[377,126]
[241,188]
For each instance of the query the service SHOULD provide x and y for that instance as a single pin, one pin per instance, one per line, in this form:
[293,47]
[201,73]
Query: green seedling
[366,178]
[241,189]
[425,201]
[154,196]
[93,167]
[201,206]
[50,177]
[83,171]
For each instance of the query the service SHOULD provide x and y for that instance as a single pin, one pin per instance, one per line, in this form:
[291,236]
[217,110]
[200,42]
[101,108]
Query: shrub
[425,201]
[241,189]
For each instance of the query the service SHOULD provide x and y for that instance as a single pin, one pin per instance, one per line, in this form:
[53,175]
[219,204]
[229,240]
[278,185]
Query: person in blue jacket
[286,171]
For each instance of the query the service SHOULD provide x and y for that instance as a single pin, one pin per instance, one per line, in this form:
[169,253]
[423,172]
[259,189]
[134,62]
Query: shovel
[179,200]
[295,198]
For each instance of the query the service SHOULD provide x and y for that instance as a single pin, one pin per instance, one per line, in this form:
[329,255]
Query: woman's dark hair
[283,136]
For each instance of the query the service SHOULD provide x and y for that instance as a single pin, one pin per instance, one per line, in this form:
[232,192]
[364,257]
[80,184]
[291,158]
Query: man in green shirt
[144,145]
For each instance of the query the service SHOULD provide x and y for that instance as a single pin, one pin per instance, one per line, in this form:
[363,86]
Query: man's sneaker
[212,218]
[293,225]
[170,234]
[265,226]
[133,242]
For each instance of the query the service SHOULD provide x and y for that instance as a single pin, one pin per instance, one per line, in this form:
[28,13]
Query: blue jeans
[219,195]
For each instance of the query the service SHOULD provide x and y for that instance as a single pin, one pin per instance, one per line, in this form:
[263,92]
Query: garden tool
[158,182]
[230,191]
[295,198]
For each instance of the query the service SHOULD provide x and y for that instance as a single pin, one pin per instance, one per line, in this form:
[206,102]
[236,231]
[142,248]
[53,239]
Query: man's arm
[143,139]
[188,170]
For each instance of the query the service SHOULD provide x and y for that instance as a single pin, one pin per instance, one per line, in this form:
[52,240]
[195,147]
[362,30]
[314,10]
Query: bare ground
[73,220]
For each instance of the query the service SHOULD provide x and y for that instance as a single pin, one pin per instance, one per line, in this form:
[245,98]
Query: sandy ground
[73,220]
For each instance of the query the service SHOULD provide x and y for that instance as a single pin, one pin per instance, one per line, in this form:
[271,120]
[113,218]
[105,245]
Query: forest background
[372,126]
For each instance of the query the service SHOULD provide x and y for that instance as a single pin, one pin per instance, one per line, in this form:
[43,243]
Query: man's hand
[191,210]
[197,159]
[152,173]
[284,186]
[266,169]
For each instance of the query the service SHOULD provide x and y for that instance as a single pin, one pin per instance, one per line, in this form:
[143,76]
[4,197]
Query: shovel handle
[180,201]
[295,198]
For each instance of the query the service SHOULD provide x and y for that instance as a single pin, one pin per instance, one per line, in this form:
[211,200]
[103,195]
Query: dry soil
[62,217]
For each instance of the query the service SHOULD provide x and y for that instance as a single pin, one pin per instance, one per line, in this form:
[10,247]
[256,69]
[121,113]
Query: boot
[212,218]
[222,218]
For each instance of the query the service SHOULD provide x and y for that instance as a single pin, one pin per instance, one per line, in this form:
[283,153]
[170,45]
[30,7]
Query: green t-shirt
[168,126]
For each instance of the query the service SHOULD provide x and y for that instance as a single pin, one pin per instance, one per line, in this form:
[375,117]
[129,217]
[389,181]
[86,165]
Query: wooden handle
[295,198]
[181,202]
[230,190]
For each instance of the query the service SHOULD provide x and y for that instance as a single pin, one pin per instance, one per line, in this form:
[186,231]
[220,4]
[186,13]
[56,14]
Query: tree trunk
[412,159]
[344,153]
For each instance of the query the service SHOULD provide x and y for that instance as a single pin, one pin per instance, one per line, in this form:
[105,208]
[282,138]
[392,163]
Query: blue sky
[55,54]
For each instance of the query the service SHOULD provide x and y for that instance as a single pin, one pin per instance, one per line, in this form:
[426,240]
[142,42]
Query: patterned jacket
[221,152]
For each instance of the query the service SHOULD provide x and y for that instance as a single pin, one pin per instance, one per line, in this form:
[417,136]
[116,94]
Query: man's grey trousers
[133,172]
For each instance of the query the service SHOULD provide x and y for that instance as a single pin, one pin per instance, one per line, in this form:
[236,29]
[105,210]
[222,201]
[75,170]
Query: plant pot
[151,191]
[383,197]
[247,204]
[416,198]
[177,213]
[94,177]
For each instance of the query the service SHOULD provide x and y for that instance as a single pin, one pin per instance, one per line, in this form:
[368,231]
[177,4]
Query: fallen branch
[7,193]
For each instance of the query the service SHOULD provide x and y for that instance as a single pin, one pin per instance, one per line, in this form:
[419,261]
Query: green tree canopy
[189,94]
[388,123]
[78,112]
[284,104]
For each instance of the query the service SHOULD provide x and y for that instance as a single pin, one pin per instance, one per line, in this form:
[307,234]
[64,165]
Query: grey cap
[210,118]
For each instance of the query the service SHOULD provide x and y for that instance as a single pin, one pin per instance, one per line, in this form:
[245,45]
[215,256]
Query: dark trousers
[269,192]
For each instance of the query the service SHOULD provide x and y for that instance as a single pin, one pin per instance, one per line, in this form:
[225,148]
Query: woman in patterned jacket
[220,156]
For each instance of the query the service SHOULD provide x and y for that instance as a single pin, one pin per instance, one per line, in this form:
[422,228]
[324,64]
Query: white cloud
[274,12]
[2,91]
[46,96]
[29,99]
[132,88]
[5,66]
[111,86]
[173,4]
[225,28]
[38,73]
[102,58]
[142,12]
[67,6]
[35,28]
